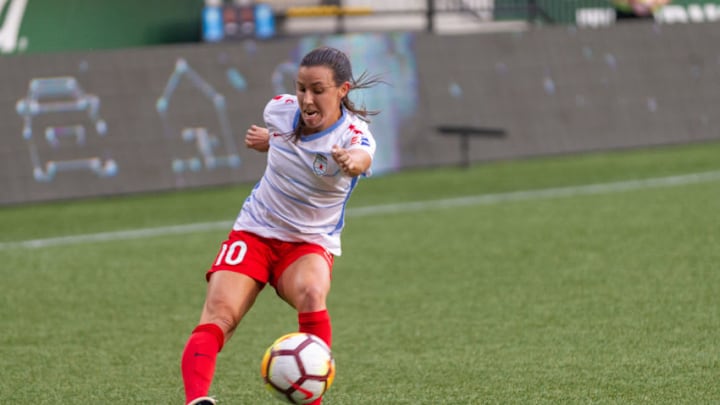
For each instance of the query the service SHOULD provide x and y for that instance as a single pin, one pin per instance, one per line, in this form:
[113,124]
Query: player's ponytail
[364,81]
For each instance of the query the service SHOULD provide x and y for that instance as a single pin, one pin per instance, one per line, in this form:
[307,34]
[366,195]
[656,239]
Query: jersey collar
[331,128]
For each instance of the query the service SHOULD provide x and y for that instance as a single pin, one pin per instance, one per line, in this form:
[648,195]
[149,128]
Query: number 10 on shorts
[231,254]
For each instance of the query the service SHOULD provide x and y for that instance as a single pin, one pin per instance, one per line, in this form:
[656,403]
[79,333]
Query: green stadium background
[552,91]
[51,25]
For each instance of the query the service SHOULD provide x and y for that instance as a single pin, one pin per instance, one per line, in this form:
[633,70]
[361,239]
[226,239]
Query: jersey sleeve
[277,111]
[361,138]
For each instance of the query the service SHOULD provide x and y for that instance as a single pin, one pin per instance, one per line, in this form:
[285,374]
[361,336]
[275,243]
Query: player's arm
[257,138]
[353,162]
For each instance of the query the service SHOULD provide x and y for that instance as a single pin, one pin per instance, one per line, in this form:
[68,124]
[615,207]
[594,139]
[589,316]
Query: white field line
[484,199]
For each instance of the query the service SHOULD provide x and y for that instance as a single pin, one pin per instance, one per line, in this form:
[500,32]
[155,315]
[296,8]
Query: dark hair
[339,63]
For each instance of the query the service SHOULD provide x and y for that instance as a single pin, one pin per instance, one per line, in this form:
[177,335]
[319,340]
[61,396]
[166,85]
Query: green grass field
[608,297]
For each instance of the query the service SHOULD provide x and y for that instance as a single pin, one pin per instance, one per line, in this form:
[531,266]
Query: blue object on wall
[264,21]
[212,24]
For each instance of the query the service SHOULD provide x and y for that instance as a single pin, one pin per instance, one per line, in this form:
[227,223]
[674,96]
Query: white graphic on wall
[206,143]
[10,26]
[61,99]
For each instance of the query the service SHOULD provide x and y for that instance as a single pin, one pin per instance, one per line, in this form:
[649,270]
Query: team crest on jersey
[320,165]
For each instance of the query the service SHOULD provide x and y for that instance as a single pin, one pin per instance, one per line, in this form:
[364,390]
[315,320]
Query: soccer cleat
[203,401]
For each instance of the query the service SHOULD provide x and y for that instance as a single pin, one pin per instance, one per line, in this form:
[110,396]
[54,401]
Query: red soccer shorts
[262,259]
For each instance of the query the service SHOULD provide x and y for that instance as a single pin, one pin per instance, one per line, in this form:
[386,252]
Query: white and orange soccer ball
[298,368]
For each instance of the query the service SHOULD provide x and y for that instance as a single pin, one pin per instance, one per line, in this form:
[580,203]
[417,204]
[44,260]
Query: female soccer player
[288,230]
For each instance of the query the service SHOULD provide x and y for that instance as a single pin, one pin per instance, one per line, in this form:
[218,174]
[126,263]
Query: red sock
[198,360]
[317,323]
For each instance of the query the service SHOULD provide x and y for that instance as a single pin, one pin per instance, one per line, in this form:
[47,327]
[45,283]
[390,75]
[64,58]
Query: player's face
[319,97]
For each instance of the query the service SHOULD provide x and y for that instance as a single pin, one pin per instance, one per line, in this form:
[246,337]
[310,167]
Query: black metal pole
[340,17]
[532,10]
[430,16]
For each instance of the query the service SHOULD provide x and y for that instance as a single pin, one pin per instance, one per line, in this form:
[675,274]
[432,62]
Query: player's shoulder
[282,102]
[280,106]
[357,132]
[354,125]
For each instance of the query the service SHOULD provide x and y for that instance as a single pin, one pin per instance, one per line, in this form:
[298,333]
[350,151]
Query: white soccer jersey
[303,193]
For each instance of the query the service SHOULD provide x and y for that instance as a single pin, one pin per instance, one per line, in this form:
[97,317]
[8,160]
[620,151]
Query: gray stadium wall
[97,123]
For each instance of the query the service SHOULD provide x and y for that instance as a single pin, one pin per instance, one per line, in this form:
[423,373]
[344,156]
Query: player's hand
[346,161]
[257,138]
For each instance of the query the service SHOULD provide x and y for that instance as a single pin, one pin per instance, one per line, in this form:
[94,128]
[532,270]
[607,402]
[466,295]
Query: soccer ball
[298,368]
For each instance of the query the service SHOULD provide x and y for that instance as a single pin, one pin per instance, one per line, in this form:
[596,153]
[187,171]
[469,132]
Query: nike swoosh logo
[202,355]
[305,392]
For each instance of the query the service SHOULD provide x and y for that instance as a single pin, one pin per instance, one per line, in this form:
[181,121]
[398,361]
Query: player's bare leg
[229,296]
[305,284]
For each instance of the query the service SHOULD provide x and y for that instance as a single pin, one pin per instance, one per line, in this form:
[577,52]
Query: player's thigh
[230,296]
[305,283]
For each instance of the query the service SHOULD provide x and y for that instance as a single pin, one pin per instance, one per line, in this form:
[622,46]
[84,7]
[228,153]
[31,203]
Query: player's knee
[311,298]
[222,315]
[226,323]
